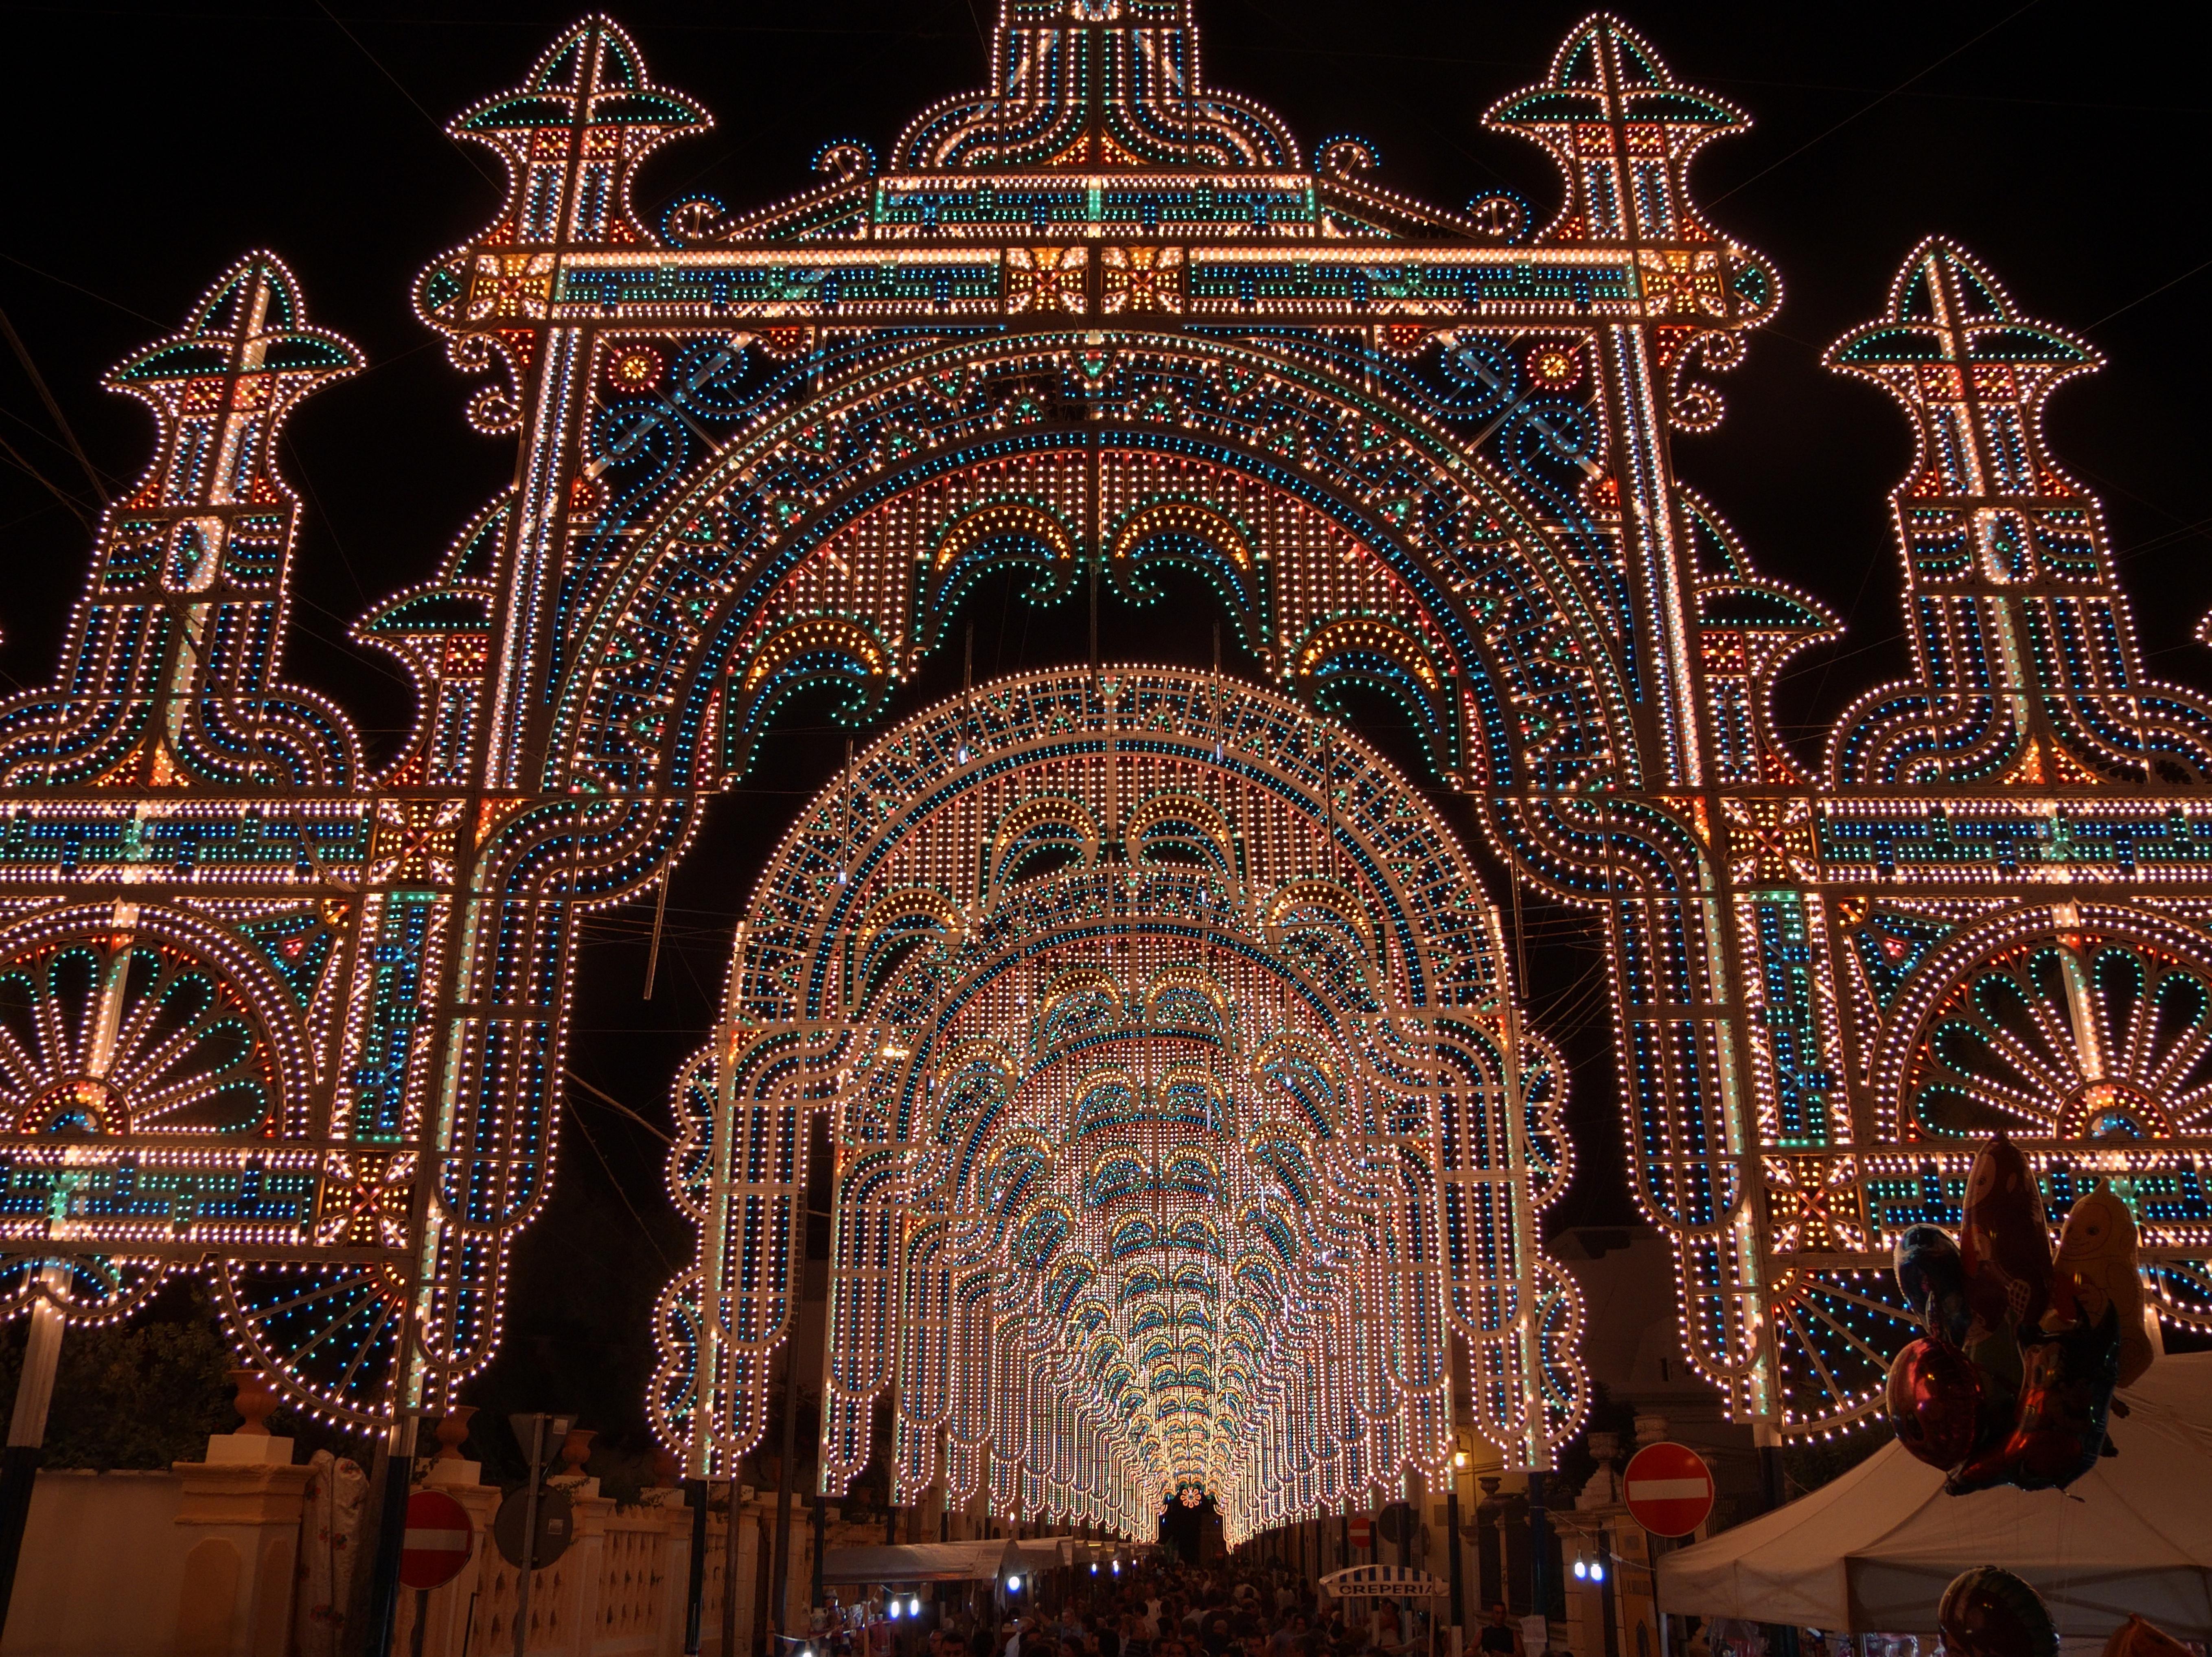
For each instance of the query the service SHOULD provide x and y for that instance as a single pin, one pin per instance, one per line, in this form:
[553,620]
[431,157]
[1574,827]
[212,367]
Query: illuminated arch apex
[168,675]
[1095,85]
[2028,668]
[1623,131]
[572,134]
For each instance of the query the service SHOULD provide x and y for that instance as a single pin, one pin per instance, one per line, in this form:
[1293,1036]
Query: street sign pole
[440,1539]
[529,1565]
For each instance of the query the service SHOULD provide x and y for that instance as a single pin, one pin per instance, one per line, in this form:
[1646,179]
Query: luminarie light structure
[1118,1139]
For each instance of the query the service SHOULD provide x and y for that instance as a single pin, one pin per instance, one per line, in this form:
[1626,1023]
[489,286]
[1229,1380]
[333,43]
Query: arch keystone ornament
[1157,1026]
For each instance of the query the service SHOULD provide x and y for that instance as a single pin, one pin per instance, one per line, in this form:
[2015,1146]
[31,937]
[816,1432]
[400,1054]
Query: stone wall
[210,1559]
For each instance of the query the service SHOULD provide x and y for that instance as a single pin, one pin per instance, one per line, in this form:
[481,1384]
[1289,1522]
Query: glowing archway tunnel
[1186,1138]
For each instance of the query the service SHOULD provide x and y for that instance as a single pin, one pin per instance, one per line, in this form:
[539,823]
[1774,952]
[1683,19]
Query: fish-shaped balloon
[2005,1244]
[2096,1269]
[1934,1280]
[2065,1402]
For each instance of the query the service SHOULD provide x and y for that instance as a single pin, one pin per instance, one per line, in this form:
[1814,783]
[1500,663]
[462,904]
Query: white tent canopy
[1381,1583]
[920,1562]
[1871,1551]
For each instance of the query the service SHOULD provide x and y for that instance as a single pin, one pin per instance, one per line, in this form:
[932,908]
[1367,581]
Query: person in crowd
[1386,1629]
[1136,1635]
[1499,1635]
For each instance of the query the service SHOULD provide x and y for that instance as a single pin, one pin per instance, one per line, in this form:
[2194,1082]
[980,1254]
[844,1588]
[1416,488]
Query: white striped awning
[1382,1583]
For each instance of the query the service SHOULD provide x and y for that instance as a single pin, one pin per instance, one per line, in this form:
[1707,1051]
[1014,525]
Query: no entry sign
[1363,1531]
[1670,1489]
[439,1540]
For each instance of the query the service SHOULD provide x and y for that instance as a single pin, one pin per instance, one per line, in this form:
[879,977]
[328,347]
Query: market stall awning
[920,1561]
[1871,1551]
[1381,1583]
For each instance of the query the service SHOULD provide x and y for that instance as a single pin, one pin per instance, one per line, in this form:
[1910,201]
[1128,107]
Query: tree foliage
[141,1393]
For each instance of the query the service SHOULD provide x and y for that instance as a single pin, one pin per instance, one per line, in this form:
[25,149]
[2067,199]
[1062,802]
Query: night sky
[148,148]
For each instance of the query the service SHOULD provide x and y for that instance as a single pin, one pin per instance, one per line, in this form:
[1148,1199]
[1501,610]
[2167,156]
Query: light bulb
[1581,1570]
[1597,1573]
[914,1604]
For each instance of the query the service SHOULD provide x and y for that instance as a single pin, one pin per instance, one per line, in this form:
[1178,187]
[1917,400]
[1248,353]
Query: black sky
[149,146]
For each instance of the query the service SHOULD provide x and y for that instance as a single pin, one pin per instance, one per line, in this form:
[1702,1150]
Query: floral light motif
[123,1035]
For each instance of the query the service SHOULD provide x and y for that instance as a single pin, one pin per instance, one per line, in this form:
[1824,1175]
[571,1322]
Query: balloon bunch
[2012,1381]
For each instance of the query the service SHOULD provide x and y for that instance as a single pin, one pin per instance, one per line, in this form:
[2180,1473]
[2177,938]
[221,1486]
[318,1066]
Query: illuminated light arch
[1317,555]
[1205,1156]
[1096,342]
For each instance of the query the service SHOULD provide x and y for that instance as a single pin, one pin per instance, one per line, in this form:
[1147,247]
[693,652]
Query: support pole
[695,1587]
[1784,1643]
[1451,1552]
[782,1566]
[821,1538]
[27,1428]
[730,1571]
[1540,1553]
[390,1480]
[652,951]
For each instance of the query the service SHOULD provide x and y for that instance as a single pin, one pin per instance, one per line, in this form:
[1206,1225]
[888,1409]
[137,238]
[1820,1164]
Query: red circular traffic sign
[439,1539]
[1362,1529]
[1670,1489]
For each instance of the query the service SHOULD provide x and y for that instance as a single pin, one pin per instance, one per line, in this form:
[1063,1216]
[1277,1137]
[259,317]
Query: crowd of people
[1159,1607]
